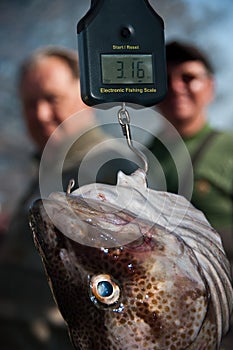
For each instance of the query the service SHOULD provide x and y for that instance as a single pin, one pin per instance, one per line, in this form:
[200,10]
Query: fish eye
[104,291]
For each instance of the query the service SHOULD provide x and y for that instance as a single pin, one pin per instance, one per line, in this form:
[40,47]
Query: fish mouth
[87,221]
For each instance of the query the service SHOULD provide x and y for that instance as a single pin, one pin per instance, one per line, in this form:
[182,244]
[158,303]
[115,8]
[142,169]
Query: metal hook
[124,121]
[70,186]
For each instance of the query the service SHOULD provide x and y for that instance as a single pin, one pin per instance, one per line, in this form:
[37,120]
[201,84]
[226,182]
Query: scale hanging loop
[124,121]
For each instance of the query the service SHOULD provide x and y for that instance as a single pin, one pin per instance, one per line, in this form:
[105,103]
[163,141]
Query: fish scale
[165,276]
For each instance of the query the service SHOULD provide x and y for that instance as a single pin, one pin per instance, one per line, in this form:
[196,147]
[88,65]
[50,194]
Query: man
[50,94]
[190,91]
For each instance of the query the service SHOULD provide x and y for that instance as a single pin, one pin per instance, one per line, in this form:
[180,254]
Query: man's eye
[187,78]
[53,99]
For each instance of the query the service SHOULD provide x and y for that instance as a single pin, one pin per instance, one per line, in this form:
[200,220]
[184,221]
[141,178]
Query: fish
[133,268]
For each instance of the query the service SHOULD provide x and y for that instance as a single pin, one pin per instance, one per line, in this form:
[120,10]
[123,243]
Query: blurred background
[29,24]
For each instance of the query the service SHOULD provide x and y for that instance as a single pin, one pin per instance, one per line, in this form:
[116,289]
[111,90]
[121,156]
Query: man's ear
[211,89]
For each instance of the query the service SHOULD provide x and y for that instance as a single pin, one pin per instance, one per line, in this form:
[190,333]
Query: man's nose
[44,111]
[176,84]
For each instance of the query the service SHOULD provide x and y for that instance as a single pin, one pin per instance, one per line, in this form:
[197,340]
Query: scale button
[126,32]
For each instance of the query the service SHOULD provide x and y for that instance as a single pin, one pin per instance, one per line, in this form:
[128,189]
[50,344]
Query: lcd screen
[127,69]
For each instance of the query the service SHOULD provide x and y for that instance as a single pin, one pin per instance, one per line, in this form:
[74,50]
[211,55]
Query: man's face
[190,91]
[50,94]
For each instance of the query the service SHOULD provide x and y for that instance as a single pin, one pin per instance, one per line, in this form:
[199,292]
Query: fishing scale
[122,57]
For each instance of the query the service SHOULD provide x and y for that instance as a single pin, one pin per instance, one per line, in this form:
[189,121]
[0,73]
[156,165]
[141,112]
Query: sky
[26,25]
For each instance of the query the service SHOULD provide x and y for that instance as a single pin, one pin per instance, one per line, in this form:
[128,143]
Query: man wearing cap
[190,91]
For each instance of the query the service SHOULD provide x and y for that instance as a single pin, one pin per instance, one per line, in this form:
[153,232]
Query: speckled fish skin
[166,299]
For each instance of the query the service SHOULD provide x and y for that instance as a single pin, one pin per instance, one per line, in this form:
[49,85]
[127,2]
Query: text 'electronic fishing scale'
[122,56]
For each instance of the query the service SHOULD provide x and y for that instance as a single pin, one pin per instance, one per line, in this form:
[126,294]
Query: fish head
[141,293]
[122,281]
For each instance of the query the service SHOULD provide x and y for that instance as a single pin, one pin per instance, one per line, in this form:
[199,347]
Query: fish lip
[88,221]
[34,213]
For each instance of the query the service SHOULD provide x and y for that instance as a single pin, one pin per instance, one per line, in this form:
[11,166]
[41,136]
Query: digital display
[127,69]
